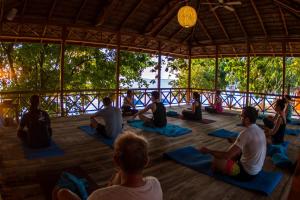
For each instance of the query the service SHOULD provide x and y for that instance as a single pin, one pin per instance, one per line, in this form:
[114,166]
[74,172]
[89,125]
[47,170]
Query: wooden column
[189,77]
[118,71]
[217,68]
[248,73]
[159,68]
[62,70]
[283,66]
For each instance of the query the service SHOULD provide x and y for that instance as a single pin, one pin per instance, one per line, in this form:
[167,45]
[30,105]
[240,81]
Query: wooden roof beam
[219,21]
[79,11]
[285,26]
[204,29]
[259,18]
[241,24]
[52,9]
[132,11]
[159,21]
[105,11]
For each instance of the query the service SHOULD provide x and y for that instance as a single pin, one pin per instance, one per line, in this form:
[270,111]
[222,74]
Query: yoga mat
[92,132]
[174,114]
[190,157]
[48,180]
[294,122]
[227,114]
[290,131]
[51,151]
[278,154]
[295,192]
[170,130]
[223,133]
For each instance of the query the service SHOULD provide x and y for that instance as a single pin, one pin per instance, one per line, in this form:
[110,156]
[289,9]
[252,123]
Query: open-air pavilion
[254,28]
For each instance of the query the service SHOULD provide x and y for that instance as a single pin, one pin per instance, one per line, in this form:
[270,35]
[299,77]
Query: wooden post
[248,73]
[189,77]
[62,70]
[159,69]
[283,66]
[118,71]
[217,68]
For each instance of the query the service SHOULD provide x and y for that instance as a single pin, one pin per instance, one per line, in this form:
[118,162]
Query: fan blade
[214,8]
[209,3]
[234,3]
[229,8]
[221,1]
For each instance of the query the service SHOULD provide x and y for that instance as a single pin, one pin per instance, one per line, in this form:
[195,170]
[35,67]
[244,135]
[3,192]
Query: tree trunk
[9,49]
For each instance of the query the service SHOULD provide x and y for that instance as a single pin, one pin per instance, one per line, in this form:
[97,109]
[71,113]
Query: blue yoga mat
[290,131]
[223,133]
[51,151]
[294,122]
[92,132]
[190,157]
[278,154]
[170,130]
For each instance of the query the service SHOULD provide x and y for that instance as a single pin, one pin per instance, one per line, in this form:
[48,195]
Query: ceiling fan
[222,4]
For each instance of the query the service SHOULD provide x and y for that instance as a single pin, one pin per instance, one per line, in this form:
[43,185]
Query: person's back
[150,191]
[160,115]
[39,131]
[252,141]
[112,117]
[278,137]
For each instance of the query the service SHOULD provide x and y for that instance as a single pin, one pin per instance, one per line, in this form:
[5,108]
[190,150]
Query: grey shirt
[113,120]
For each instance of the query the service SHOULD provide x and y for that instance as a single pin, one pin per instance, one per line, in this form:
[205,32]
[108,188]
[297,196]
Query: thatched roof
[150,25]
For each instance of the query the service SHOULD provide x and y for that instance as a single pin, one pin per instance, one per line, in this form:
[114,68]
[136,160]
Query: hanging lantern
[187,16]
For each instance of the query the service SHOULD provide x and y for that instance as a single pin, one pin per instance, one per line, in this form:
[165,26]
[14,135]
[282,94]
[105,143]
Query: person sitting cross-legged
[158,109]
[195,113]
[130,157]
[35,128]
[217,106]
[112,118]
[128,107]
[246,156]
[275,128]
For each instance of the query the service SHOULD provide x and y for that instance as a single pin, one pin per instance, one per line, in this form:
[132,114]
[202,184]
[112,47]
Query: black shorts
[243,175]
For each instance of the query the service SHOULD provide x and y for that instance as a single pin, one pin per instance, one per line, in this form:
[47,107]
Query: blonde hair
[132,152]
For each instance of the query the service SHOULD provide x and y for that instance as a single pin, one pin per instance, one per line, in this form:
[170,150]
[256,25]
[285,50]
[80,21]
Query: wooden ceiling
[270,27]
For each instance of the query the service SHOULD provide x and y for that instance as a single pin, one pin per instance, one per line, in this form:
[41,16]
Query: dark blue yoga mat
[223,133]
[294,122]
[92,132]
[190,157]
[51,151]
[290,131]
[170,130]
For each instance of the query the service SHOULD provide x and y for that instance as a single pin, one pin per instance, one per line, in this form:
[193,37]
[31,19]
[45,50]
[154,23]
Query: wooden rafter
[283,21]
[175,33]
[204,29]
[105,11]
[164,13]
[22,14]
[52,9]
[132,11]
[259,18]
[80,10]
[219,21]
[240,23]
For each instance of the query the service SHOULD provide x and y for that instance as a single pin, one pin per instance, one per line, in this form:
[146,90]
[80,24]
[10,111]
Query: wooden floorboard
[18,175]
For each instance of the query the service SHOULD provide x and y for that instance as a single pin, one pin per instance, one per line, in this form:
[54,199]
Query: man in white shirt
[131,157]
[245,158]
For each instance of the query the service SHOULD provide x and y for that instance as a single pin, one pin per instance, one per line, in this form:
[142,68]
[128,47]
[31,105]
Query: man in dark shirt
[158,109]
[37,123]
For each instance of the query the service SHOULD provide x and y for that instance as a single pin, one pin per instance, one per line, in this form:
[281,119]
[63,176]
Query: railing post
[159,70]
[189,77]
[283,66]
[118,71]
[217,67]
[248,73]
[62,70]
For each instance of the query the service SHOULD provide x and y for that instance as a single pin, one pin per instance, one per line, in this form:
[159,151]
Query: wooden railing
[77,102]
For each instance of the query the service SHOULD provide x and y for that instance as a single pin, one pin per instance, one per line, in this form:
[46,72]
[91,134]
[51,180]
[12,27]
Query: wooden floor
[18,175]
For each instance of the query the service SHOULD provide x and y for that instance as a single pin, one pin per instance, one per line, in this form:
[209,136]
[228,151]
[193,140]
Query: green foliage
[27,66]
